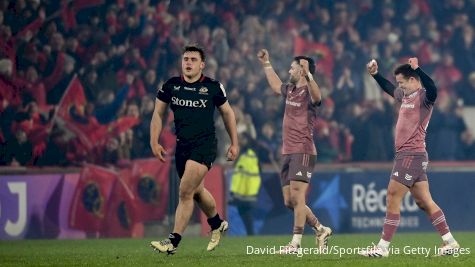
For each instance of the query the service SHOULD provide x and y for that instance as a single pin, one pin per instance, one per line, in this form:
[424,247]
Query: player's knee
[186,193]
[424,204]
[421,204]
[288,204]
[295,201]
[196,197]
[391,195]
[391,200]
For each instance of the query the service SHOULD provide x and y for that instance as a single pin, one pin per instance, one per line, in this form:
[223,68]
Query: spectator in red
[35,87]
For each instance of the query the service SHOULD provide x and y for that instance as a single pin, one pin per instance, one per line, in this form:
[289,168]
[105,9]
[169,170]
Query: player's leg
[297,170]
[395,193]
[285,182]
[322,233]
[311,219]
[207,204]
[297,200]
[192,177]
[205,201]
[421,193]
[286,195]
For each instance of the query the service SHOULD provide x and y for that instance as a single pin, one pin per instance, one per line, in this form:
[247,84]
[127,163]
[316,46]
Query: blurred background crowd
[121,51]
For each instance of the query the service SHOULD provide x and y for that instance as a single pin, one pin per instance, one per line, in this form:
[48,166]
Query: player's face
[295,72]
[408,85]
[191,64]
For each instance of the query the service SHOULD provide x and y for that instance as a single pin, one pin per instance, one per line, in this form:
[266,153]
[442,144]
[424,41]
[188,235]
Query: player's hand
[372,67]
[158,151]
[233,152]
[263,56]
[304,64]
[414,62]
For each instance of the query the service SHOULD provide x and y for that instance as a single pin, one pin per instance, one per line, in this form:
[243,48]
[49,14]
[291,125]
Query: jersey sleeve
[386,85]
[429,85]
[398,94]
[164,93]
[220,96]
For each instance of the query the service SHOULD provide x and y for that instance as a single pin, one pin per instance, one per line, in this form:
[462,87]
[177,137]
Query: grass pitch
[408,250]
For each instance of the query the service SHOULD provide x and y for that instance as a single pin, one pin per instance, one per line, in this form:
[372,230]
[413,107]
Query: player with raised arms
[416,93]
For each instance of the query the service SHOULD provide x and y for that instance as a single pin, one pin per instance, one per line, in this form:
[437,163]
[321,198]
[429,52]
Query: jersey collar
[201,79]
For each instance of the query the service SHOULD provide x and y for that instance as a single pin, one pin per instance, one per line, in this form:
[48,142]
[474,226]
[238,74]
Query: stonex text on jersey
[193,105]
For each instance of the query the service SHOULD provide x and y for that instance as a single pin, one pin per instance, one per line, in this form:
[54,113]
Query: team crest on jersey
[203,91]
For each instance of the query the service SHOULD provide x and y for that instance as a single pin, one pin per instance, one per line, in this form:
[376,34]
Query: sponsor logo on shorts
[299,173]
[424,165]
[309,174]
[408,177]
[396,174]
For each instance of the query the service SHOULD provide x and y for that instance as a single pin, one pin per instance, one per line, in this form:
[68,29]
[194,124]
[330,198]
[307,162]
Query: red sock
[312,220]
[439,222]
[391,222]
[298,230]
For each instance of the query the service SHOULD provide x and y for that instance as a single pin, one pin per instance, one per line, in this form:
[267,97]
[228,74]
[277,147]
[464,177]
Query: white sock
[448,238]
[383,244]
[296,240]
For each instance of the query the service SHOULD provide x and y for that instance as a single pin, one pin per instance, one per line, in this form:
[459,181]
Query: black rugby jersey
[193,105]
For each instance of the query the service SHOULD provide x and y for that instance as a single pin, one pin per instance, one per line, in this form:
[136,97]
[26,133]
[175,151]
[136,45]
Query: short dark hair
[311,63]
[195,48]
[406,71]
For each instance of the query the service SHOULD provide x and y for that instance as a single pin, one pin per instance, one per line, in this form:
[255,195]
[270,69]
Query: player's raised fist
[414,62]
[263,56]
[372,67]
[304,64]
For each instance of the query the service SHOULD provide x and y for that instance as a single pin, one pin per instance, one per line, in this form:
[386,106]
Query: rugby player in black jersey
[193,98]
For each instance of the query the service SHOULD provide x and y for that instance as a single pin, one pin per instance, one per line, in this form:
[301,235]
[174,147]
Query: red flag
[121,219]
[318,50]
[74,97]
[89,204]
[150,178]
[121,125]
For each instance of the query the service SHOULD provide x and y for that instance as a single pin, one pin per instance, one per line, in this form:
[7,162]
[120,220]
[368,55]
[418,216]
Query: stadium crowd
[121,51]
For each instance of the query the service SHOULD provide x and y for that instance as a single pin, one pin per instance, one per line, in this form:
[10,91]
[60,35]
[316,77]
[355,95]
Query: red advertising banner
[149,182]
[89,205]
[121,219]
